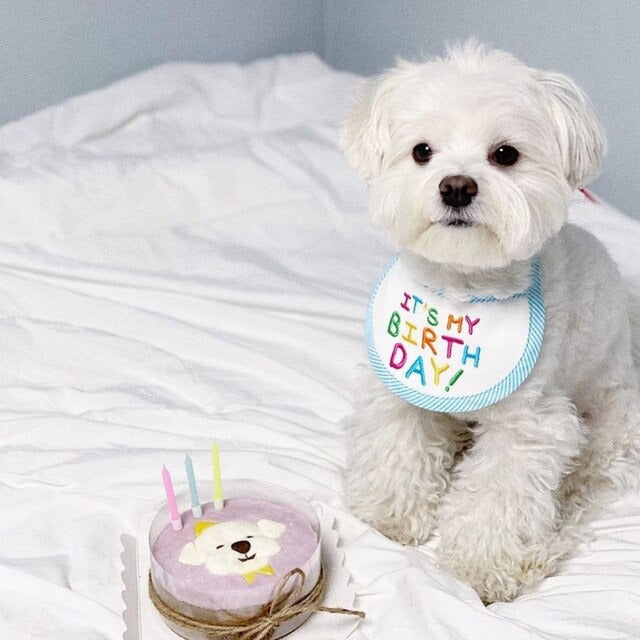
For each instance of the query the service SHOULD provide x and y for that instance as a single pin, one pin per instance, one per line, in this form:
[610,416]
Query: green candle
[218,501]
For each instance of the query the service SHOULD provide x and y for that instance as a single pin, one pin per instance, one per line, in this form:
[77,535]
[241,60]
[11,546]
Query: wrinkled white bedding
[186,255]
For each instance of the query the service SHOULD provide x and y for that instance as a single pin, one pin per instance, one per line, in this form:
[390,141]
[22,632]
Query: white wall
[52,49]
[595,41]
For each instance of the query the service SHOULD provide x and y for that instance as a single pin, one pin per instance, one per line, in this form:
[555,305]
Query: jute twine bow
[265,624]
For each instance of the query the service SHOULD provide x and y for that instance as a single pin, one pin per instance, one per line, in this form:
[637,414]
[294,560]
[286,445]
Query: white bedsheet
[185,255]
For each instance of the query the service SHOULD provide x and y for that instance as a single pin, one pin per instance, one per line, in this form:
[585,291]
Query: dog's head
[233,547]
[472,158]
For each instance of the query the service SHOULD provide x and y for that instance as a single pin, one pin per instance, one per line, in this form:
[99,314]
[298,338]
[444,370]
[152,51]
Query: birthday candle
[218,502]
[196,508]
[174,514]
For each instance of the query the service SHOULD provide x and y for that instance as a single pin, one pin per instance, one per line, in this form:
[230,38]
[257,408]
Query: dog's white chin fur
[470,247]
[530,468]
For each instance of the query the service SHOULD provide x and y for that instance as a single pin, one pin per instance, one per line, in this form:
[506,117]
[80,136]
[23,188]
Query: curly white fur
[509,486]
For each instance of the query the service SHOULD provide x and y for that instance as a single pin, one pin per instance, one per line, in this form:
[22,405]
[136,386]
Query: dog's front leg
[398,462]
[499,521]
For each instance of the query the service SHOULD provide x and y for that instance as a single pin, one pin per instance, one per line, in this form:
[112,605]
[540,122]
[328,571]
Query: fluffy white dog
[472,160]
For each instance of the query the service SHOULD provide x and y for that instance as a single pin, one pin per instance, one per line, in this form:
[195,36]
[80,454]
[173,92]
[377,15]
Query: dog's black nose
[458,191]
[242,546]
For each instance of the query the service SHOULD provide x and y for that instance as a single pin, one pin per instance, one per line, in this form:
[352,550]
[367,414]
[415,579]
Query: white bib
[447,355]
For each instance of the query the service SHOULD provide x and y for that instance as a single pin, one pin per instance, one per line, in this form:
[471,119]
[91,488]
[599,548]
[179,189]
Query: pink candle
[174,514]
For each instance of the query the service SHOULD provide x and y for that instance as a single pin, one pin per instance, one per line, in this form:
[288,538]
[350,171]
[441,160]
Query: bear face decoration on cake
[234,547]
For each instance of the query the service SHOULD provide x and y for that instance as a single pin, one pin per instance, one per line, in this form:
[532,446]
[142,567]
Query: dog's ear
[270,528]
[190,555]
[366,131]
[580,136]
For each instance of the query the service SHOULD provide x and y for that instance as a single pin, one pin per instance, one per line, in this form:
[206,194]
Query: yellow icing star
[201,526]
[267,570]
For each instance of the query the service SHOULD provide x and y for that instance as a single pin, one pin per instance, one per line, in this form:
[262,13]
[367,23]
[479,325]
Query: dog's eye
[422,153]
[220,546]
[248,536]
[505,155]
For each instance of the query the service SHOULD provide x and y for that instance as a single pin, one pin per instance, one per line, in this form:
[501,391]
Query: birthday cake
[226,564]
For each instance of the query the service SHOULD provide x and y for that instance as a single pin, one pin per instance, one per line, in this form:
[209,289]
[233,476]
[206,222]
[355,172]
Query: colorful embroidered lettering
[471,323]
[471,356]
[428,338]
[437,371]
[393,362]
[417,367]
[450,340]
[412,328]
[393,329]
[457,321]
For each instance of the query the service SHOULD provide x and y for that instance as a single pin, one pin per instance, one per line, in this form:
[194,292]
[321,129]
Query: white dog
[472,160]
[234,547]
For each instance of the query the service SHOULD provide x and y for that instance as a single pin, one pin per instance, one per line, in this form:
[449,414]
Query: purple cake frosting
[272,539]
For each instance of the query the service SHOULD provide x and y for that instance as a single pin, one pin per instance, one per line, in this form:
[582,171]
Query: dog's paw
[496,563]
[411,527]
[491,583]
[496,577]
[405,534]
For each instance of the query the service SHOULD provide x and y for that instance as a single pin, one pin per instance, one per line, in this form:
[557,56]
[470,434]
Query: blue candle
[196,509]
